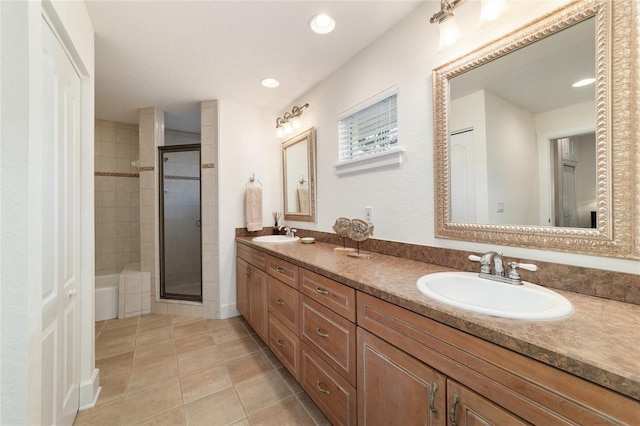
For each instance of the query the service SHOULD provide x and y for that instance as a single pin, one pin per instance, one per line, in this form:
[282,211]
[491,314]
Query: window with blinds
[370,130]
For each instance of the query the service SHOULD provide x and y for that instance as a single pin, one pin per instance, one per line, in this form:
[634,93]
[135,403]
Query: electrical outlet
[368,214]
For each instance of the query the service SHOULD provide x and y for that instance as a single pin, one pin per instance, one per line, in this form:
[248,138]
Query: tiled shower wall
[117,215]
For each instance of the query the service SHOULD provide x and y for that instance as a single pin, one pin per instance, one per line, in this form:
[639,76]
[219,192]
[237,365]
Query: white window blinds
[370,130]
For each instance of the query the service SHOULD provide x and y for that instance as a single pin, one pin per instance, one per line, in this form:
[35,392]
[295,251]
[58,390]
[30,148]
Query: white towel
[303,200]
[253,208]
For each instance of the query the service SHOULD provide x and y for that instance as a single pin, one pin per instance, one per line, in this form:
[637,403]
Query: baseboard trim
[89,391]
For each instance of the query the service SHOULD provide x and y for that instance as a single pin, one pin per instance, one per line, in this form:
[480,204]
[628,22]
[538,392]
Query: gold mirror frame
[309,136]
[617,140]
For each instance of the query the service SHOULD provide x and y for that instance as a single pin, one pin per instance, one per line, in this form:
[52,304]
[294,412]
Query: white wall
[21,201]
[244,149]
[403,197]
[512,163]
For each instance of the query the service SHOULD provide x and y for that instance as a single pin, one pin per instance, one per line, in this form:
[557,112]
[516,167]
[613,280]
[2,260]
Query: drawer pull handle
[322,333]
[432,398]
[280,342]
[279,301]
[321,290]
[321,388]
[280,269]
[452,413]
[248,271]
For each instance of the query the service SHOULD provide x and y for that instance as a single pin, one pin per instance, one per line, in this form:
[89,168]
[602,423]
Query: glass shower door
[180,225]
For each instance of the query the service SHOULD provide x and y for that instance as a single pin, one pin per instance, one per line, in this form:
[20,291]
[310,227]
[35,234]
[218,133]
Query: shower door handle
[198,223]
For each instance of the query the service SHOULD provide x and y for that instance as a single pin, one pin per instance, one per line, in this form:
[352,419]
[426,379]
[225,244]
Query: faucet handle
[514,274]
[485,268]
[474,258]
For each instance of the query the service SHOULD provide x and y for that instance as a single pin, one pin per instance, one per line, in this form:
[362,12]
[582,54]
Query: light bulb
[279,132]
[491,9]
[449,32]
[296,122]
[287,128]
[322,24]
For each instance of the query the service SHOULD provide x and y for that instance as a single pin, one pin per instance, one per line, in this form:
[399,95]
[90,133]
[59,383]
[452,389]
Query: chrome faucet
[497,274]
[289,232]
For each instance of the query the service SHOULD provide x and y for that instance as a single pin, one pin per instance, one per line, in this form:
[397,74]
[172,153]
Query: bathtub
[106,297]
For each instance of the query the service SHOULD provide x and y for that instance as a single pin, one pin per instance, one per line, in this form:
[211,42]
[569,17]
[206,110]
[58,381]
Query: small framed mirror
[298,177]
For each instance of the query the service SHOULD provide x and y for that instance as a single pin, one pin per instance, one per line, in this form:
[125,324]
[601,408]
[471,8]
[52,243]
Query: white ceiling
[174,54]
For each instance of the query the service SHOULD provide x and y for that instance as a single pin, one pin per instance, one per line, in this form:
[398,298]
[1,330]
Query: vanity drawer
[332,393]
[284,303]
[282,270]
[251,255]
[337,297]
[331,336]
[284,344]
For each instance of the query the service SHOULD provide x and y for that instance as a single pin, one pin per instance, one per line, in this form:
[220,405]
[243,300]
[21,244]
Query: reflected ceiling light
[449,31]
[584,82]
[290,121]
[322,24]
[270,83]
[491,9]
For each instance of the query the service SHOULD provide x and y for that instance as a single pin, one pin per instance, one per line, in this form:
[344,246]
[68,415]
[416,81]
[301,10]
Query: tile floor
[172,370]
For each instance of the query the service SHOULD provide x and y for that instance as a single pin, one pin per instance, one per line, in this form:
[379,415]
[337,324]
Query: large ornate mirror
[299,181]
[524,158]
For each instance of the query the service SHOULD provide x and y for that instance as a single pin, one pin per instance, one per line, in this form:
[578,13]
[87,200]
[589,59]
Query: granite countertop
[600,342]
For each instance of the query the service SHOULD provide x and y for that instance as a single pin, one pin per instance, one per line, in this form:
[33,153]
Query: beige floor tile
[229,334]
[190,328]
[199,358]
[248,367]
[243,422]
[113,386]
[155,322]
[177,319]
[204,382]
[237,348]
[288,412]
[191,343]
[262,391]
[152,353]
[259,341]
[115,364]
[290,380]
[153,337]
[273,359]
[220,409]
[312,409]
[148,374]
[152,401]
[109,349]
[215,324]
[174,417]
[121,323]
[104,415]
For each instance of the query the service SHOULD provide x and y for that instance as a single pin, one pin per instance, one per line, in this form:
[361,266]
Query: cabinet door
[396,389]
[243,270]
[467,408]
[258,293]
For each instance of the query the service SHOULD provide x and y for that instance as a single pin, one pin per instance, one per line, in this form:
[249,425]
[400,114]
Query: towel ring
[253,179]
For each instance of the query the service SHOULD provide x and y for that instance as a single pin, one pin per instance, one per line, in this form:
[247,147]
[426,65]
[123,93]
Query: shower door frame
[161,151]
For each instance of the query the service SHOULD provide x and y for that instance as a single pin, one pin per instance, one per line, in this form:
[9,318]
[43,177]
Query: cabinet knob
[279,301]
[280,342]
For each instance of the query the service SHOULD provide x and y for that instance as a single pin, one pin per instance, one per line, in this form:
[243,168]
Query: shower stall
[180,223]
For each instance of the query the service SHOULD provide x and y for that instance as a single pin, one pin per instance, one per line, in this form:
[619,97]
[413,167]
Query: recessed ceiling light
[585,82]
[322,23]
[271,83]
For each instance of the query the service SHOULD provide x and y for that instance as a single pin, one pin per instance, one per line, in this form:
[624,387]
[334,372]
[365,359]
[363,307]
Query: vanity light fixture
[322,23]
[447,26]
[584,82]
[290,121]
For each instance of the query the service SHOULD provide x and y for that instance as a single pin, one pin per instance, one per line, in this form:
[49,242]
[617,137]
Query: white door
[61,223]
[463,181]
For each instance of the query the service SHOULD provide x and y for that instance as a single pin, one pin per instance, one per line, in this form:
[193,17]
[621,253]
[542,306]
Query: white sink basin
[466,290]
[275,239]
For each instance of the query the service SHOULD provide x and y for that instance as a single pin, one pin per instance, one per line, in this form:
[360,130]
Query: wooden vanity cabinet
[493,385]
[251,289]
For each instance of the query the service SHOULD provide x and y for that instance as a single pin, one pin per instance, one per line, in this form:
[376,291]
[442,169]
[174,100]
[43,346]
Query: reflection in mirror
[501,111]
[522,157]
[298,165]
